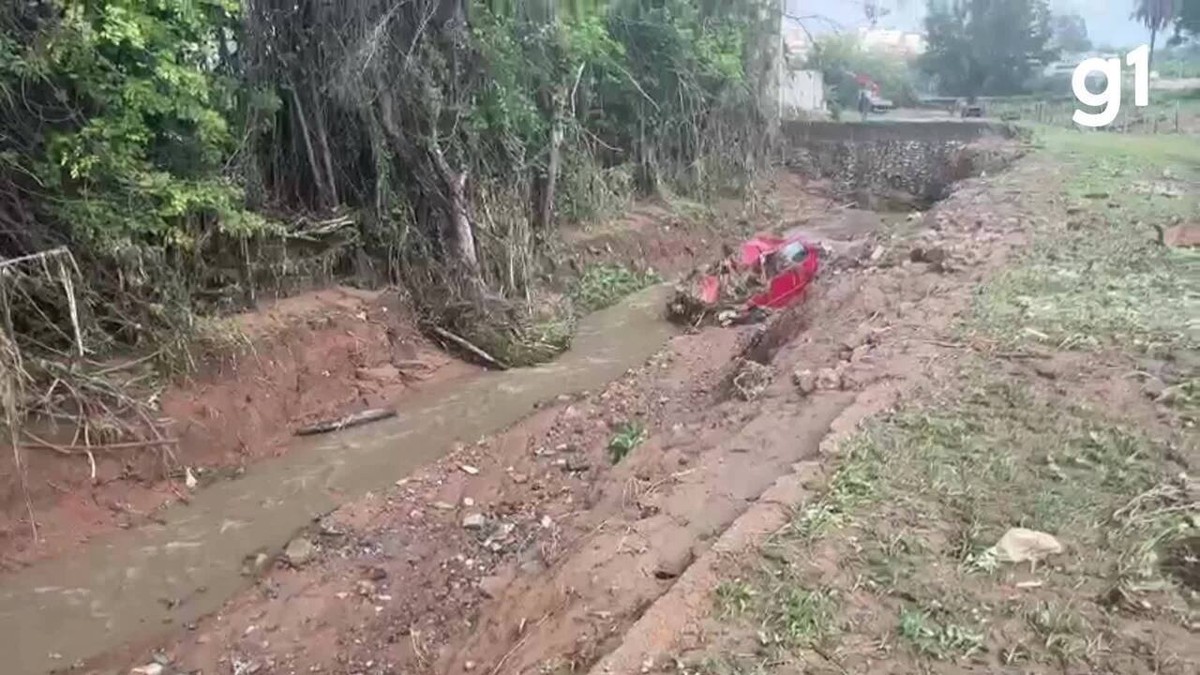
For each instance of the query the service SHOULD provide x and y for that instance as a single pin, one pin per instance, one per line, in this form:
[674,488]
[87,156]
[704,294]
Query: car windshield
[793,252]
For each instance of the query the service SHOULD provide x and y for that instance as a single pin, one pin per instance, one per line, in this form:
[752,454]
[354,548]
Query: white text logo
[1109,99]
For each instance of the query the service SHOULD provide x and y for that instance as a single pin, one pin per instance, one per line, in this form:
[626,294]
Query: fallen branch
[462,342]
[346,422]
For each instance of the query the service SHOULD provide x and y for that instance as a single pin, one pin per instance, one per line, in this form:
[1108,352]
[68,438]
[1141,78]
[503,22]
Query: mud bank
[313,356]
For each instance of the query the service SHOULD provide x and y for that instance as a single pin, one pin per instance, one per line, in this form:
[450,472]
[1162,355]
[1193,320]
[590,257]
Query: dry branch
[462,342]
[346,421]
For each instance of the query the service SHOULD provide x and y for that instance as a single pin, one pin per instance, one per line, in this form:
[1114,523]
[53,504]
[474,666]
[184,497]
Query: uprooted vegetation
[168,163]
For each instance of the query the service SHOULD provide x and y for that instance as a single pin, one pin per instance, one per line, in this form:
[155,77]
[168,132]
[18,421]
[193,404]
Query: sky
[1108,21]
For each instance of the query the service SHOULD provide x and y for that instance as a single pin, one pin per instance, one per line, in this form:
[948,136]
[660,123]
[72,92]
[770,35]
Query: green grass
[922,496]
[602,286]
[936,640]
[1096,276]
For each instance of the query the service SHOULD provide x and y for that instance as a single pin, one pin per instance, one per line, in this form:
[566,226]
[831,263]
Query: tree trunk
[546,181]
[1153,39]
[323,146]
[457,232]
[448,190]
[324,193]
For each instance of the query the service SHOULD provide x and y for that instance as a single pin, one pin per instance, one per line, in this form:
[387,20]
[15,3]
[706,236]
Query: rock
[443,506]
[474,521]
[299,552]
[935,255]
[469,470]
[381,374]
[1154,388]
[671,565]
[829,378]
[518,478]
[1045,370]
[805,381]
[148,669]
[1021,545]
[576,463]
[493,586]
[253,565]
[468,502]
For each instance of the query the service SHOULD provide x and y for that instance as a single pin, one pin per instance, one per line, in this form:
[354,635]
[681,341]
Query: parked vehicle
[967,108]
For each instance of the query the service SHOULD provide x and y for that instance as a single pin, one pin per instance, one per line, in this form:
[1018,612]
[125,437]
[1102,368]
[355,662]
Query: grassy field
[1100,278]
[894,569]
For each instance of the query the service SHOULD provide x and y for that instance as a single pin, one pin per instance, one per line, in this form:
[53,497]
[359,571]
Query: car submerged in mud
[766,273]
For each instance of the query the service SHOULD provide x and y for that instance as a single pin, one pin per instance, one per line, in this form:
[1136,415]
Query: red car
[775,270]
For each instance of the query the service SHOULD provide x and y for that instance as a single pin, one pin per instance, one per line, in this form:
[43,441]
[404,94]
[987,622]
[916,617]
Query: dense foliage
[189,150]
[986,46]
[1187,20]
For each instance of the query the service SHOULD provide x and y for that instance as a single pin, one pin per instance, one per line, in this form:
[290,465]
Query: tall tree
[985,46]
[1070,33]
[1155,15]
[1187,20]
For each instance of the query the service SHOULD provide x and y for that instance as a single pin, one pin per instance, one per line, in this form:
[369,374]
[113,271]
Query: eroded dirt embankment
[531,551]
[311,357]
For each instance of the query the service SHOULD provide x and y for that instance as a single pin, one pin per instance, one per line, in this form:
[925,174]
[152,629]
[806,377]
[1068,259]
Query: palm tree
[1155,15]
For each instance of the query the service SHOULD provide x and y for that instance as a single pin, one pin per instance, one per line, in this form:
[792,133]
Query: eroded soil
[714,510]
[537,549]
[312,357]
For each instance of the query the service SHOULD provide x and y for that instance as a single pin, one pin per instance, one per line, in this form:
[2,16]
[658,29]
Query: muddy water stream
[132,585]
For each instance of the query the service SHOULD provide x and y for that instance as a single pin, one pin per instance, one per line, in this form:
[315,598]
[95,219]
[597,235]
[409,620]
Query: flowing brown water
[115,591]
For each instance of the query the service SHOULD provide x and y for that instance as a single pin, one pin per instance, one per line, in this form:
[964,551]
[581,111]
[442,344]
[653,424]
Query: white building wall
[802,93]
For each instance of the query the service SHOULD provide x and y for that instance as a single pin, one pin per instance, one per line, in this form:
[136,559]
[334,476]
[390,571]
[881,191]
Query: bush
[841,57]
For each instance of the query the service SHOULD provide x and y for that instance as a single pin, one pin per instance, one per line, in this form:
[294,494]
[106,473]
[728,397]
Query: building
[901,43]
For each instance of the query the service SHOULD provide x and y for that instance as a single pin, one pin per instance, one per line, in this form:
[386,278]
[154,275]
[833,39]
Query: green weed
[936,640]
[629,435]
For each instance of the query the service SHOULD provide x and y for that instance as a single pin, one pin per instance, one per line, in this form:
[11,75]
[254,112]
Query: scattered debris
[1178,235]
[1021,545]
[751,379]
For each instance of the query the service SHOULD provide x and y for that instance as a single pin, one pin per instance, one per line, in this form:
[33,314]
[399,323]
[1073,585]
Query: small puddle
[130,586]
